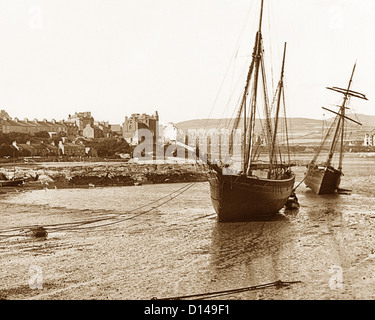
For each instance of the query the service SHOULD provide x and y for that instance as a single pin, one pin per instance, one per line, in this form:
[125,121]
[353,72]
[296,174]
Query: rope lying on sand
[278,284]
[88,224]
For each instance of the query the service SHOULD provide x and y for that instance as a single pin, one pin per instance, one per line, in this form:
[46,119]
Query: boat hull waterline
[244,198]
[323,180]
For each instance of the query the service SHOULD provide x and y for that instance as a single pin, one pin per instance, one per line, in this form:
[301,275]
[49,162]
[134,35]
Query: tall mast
[340,122]
[242,109]
[281,85]
[256,61]
[343,122]
[261,16]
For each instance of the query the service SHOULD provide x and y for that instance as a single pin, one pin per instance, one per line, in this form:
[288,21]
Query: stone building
[80,120]
[87,126]
[116,130]
[138,121]
[36,149]
[104,127]
[4,115]
[71,149]
[92,132]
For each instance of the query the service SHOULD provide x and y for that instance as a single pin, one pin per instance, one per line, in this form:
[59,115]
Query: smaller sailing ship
[325,178]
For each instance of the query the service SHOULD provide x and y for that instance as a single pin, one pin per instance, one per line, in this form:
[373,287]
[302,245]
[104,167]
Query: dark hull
[323,180]
[11,183]
[240,198]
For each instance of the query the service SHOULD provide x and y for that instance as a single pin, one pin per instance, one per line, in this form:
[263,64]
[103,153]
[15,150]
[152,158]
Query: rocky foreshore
[88,174]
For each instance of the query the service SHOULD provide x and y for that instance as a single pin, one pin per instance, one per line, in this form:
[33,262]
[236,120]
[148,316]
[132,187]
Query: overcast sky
[117,57]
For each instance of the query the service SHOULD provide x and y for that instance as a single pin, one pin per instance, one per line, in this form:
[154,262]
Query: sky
[180,57]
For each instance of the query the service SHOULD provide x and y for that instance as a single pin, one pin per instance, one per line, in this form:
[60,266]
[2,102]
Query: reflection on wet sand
[246,254]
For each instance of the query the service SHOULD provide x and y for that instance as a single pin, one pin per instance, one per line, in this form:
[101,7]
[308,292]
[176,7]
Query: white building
[172,133]
[369,139]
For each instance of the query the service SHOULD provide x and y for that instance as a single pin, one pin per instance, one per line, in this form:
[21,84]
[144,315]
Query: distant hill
[302,130]
[223,123]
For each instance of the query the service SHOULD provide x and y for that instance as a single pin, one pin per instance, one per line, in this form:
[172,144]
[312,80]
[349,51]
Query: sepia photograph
[214,151]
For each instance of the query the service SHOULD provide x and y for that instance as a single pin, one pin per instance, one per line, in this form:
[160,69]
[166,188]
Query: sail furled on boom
[348,92]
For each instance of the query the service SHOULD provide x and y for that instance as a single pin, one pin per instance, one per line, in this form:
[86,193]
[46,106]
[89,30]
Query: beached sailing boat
[325,178]
[260,188]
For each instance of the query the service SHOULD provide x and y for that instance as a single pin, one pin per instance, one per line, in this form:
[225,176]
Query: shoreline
[100,174]
[106,173]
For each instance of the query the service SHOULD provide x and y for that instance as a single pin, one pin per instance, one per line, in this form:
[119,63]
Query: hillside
[302,130]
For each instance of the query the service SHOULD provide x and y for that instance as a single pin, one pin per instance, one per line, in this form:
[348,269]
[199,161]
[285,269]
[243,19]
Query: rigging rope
[286,126]
[230,62]
[270,45]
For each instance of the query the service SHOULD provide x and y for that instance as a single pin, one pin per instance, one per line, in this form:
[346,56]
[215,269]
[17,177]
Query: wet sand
[178,248]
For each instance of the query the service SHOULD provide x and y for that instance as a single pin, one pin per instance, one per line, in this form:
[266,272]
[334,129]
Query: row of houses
[64,148]
[31,127]
[82,124]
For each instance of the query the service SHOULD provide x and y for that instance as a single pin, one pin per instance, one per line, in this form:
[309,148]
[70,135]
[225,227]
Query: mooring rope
[304,178]
[200,296]
[295,188]
[78,225]
[138,214]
